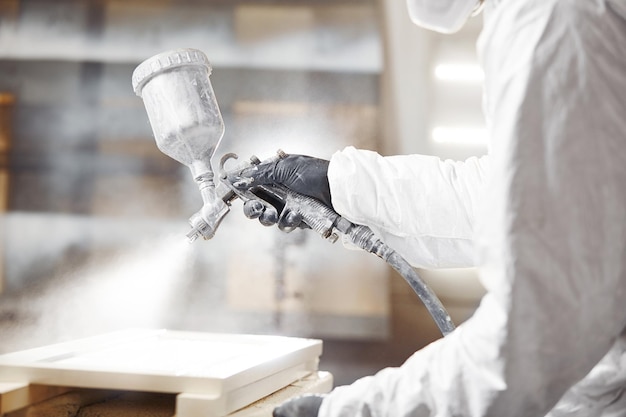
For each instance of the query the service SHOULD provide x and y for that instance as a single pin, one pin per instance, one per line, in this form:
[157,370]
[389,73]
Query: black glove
[304,406]
[303,174]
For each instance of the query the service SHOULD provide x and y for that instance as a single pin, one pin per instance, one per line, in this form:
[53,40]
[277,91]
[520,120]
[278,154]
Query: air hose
[364,238]
[324,220]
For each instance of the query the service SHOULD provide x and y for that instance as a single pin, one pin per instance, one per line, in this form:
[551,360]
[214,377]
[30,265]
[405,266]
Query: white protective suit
[543,216]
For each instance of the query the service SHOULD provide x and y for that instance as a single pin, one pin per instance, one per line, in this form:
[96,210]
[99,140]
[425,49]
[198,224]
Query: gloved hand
[303,406]
[302,174]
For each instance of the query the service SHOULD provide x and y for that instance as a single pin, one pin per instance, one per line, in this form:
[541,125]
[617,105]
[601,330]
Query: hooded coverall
[542,216]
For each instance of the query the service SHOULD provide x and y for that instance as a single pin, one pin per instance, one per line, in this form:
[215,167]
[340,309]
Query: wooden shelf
[322,36]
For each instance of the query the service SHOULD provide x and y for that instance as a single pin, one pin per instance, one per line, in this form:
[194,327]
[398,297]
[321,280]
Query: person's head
[445,16]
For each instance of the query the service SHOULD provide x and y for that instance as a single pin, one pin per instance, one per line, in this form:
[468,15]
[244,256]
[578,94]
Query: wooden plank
[131,404]
[13,395]
[7,101]
[16,395]
[67,404]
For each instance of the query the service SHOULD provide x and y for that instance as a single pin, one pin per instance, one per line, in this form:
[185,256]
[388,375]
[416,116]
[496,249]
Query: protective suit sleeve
[552,232]
[420,205]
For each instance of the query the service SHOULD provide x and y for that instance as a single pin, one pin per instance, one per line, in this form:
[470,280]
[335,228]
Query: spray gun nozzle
[193,235]
[205,222]
[199,228]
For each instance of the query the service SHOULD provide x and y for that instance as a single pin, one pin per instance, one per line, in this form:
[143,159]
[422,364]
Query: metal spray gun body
[188,127]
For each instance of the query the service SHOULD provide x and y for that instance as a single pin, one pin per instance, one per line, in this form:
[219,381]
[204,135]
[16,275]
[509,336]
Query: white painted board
[227,371]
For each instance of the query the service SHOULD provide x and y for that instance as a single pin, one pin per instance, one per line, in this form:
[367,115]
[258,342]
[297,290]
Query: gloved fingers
[252,209]
[303,406]
[289,220]
[262,174]
[255,209]
[282,171]
[269,217]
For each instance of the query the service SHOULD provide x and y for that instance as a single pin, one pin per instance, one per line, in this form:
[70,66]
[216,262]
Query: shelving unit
[301,76]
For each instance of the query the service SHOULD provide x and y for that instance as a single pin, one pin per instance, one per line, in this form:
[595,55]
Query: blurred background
[93,216]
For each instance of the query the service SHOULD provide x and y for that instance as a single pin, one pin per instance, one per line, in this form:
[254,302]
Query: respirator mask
[445,16]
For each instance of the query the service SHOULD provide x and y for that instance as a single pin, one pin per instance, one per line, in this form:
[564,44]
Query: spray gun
[188,127]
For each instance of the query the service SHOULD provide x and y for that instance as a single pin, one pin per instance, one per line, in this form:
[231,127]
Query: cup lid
[166,61]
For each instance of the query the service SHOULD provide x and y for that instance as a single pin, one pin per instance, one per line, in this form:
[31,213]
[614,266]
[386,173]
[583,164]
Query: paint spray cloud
[132,289]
